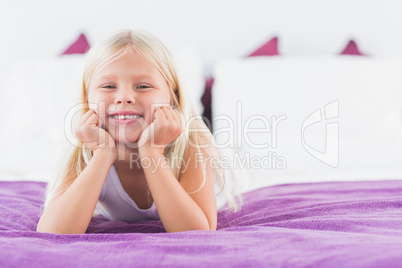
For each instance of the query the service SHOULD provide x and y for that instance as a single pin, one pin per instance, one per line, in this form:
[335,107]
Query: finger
[156,106]
[159,114]
[168,112]
[100,109]
[176,114]
[99,122]
[85,117]
[146,134]
[92,120]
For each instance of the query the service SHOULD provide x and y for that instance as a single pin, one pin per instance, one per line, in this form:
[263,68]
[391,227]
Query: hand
[168,124]
[95,137]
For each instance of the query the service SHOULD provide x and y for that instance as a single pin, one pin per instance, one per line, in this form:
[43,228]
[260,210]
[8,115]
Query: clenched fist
[90,132]
[168,125]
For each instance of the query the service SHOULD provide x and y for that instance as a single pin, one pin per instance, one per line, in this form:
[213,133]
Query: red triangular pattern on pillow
[352,49]
[80,46]
[268,49]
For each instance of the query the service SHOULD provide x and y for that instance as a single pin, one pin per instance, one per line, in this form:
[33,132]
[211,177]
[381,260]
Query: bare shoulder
[196,179]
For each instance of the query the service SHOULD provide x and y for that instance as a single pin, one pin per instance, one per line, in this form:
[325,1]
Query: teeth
[131,116]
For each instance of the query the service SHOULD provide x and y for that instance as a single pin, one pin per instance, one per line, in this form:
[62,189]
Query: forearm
[73,210]
[177,210]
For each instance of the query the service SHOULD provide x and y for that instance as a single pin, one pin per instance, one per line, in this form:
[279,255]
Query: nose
[124,101]
[125,98]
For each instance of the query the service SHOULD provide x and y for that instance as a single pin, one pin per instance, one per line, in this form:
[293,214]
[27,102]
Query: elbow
[212,223]
[212,226]
[204,227]
[54,230]
[184,230]
[42,229]
[53,225]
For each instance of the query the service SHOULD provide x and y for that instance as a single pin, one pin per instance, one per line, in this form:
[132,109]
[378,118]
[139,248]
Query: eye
[143,86]
[108,86]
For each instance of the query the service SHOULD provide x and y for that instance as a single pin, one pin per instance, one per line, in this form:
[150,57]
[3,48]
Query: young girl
[142,154]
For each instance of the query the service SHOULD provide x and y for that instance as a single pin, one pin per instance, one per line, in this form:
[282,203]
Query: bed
[329,224]
[314,137]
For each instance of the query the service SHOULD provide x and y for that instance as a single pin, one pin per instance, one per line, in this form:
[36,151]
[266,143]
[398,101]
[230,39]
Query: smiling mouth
[126,117]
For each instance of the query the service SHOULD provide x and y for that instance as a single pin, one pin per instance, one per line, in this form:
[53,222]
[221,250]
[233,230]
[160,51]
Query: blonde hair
[77,156]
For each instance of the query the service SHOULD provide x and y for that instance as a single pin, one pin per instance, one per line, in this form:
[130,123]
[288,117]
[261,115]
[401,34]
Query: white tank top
[115,204]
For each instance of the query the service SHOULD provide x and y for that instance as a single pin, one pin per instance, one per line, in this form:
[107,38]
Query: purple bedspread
[336,224]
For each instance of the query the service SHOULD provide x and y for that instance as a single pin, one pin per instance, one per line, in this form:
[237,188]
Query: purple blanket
[336,224]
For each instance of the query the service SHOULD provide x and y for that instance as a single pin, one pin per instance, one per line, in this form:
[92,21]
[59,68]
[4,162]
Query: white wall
[220,29]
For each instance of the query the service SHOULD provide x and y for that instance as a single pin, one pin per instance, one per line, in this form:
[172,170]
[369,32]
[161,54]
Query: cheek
[93,100]
[100,105]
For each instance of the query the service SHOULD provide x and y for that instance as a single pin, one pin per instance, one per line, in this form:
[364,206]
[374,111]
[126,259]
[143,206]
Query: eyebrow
[108,76]
[136,76]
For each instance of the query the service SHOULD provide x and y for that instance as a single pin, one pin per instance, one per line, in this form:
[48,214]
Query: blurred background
[219,29]
[276,57]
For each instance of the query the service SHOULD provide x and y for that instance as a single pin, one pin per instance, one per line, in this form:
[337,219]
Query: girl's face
[130,84]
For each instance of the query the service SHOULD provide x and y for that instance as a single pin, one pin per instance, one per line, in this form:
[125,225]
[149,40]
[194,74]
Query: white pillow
[363,102]
[38,95]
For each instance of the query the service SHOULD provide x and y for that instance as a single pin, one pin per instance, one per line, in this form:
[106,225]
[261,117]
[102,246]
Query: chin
[128,141]
[127,137]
